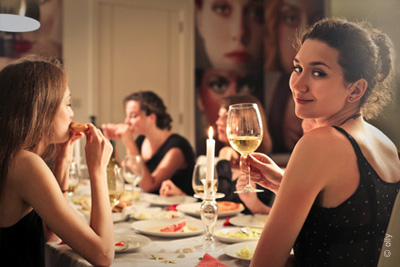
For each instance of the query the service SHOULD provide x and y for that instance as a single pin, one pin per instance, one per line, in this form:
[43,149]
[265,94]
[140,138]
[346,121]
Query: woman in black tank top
[335,198]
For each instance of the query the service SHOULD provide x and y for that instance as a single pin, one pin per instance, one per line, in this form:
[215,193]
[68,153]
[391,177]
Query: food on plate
[121,205]
[176,227]
[228,206]
[79,127]
[84,201]
[242,233]
[245,253]
[120,243]
[158,215]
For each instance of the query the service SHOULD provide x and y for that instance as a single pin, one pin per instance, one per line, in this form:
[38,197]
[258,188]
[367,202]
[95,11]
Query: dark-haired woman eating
[167,155]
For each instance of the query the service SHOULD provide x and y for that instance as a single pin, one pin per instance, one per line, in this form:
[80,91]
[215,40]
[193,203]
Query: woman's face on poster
[232,32]
[295,16]
[215,85]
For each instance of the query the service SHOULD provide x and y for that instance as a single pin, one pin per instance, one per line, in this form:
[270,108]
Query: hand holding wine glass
[244,130]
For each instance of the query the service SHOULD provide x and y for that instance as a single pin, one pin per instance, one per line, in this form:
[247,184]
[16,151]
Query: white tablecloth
[167,248]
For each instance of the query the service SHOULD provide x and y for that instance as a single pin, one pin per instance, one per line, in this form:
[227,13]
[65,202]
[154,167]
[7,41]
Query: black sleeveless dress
[181,178]
[352,233]
[22,244]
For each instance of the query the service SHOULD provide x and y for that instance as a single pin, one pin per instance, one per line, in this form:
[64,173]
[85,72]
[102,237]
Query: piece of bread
[79,127]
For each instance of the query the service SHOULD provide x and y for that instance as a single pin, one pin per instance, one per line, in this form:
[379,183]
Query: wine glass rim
[243,105]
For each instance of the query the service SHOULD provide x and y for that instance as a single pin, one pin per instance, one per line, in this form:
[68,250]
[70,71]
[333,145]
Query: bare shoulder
[319,152]
[321,140]
[26,164]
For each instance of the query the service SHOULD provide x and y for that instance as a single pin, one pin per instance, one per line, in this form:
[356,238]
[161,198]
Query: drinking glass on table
[244,130]
[116,185]
[74,178]
[199,179]
[133,172]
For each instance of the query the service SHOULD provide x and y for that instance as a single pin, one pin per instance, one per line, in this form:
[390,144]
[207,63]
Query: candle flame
[210,133]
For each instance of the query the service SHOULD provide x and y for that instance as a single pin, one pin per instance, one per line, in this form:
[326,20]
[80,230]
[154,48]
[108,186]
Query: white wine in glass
[245,131]
[74,178]
[115,185]
[199,179]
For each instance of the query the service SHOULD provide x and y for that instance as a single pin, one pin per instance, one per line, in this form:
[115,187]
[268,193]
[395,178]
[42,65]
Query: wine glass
[74,178]
[133,172]
[115,184]
[244,130]
[199,179]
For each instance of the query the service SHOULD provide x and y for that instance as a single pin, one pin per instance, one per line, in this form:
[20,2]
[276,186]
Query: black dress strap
[353,142]
[369,184]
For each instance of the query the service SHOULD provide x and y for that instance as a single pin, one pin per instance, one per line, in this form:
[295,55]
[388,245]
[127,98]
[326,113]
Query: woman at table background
[35,115]
[284,19]
[211,86]
[337,192]
[228,162]
[167,155]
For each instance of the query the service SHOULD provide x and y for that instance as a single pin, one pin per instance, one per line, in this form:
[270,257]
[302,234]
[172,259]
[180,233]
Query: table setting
[154,230]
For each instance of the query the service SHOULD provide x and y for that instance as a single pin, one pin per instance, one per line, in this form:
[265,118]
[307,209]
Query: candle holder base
[213,196]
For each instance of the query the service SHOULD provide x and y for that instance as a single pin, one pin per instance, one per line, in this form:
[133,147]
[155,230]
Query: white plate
[232,250]
[234,235]
[256,221]
[152,227]
[167,201]
[156,214]
[132,242]
[116,216]
[124,214]
[194,210]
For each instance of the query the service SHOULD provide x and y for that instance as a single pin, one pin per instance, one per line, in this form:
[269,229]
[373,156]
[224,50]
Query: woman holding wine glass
[336,196]
[166,155]
[227,167]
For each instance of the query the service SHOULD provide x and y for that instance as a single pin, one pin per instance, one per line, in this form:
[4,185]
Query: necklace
[354,116]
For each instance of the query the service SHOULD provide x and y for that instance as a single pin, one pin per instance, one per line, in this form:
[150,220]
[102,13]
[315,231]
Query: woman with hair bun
[166,155]
[336,196]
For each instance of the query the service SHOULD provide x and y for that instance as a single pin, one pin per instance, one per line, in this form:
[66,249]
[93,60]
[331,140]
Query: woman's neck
[157,137]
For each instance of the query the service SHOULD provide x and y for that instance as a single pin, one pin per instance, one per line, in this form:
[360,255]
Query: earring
[351,98]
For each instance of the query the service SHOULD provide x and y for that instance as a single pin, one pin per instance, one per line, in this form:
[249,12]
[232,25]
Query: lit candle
[210,163]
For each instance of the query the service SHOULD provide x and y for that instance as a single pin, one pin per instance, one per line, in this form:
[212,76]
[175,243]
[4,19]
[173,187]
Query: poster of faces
[246,47]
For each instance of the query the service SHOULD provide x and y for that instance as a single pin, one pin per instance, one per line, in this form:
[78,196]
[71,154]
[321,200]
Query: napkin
[210,261]
[173,207]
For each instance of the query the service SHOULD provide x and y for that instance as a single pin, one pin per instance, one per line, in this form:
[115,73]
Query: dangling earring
[351,98]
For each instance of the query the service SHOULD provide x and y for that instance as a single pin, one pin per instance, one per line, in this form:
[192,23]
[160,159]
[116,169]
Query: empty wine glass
[133,172]
[244,130]
[199,179]
[74,178]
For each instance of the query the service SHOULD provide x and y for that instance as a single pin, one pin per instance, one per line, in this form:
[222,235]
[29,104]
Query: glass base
[249,189]
[216,195]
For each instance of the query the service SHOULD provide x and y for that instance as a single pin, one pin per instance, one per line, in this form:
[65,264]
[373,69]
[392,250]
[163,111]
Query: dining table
[158,250]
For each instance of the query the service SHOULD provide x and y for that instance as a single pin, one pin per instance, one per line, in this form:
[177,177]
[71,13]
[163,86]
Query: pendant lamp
[19,15]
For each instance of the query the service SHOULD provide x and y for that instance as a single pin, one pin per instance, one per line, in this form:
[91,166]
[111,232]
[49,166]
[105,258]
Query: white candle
[210,163]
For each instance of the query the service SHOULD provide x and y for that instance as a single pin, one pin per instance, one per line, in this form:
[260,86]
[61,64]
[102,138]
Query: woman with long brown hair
[36,141]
